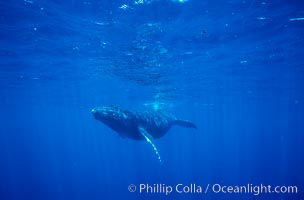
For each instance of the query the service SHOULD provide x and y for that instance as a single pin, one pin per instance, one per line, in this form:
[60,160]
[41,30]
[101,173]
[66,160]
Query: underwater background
[235,68]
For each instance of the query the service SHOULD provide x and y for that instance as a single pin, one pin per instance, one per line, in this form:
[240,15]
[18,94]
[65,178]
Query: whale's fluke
[185,123]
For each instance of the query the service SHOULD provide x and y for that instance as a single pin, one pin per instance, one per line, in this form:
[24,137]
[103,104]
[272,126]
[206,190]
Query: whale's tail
[184,123]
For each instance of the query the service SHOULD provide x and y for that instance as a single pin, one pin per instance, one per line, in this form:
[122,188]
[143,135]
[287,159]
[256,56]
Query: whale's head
[106,113]
[113,116]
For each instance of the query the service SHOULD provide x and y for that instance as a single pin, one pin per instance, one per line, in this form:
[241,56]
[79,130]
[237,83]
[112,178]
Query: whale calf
[146,125]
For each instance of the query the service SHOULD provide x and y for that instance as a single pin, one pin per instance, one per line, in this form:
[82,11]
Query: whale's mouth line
[102,114]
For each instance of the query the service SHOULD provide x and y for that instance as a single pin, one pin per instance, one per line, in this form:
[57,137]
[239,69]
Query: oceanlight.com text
[254,189]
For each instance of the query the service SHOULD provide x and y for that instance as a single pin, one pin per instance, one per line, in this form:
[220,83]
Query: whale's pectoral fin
[185,123]
[150,140]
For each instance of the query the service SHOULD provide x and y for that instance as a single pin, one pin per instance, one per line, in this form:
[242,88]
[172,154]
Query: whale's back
[157,123]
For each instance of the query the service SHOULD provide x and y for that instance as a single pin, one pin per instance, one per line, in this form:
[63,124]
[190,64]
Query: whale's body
[139,125]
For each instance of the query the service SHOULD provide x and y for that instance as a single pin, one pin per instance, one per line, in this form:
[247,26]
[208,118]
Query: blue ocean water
[235,68]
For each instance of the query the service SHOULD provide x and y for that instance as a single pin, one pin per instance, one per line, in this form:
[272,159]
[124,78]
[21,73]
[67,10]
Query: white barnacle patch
[261,18]
[125,7]
[180,1]
[296,19]
[139,2]
[28,1]
[124,116]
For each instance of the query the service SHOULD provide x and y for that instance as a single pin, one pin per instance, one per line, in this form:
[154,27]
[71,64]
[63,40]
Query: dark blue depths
[234,68]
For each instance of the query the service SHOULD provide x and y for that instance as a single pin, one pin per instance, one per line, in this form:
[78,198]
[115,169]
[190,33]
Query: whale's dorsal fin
[150,140]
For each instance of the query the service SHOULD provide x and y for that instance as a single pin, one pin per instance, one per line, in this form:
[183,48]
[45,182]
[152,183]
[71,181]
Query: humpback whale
[145,125]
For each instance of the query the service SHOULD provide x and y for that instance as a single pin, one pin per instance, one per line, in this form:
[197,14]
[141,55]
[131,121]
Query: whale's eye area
[107,113]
